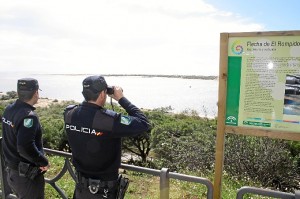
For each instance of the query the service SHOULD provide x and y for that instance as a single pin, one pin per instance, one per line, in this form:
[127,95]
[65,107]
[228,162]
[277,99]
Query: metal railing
[265,192]
[164,175]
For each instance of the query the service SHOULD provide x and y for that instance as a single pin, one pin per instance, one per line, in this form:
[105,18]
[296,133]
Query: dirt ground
[44,102]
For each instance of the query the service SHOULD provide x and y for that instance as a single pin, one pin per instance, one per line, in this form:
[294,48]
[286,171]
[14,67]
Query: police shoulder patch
[125,120]
[28,122]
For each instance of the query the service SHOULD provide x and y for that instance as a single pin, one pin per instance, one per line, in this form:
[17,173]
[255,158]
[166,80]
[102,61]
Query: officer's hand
[118,93]
[45,168]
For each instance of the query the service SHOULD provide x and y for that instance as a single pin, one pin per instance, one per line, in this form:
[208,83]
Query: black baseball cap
[28,84]
[95,84]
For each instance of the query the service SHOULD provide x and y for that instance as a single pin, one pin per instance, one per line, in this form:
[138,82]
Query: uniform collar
[24,104]
[91,105]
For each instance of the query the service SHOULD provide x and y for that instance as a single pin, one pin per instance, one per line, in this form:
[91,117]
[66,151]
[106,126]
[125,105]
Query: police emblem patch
[125,120]
[28,122]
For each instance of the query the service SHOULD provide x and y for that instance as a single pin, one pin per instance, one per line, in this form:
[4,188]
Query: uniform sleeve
[27,133]
[132,124]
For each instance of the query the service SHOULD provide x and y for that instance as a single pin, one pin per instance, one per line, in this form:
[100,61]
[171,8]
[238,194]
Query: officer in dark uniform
[22,143]
[94,134]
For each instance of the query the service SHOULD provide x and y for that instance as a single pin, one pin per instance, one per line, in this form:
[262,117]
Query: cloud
[133,36]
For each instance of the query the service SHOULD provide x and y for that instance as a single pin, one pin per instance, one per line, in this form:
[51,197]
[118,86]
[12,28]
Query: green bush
[12,94]
[54,136]
[52,121]
[264,160]
[9,95]
[185,143]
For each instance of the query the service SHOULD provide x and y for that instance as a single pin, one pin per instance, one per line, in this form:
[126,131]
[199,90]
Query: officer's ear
[101,98]
[103,94]
[37,94]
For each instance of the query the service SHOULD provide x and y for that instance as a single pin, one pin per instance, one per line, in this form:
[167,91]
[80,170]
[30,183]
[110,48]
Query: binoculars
[110,90]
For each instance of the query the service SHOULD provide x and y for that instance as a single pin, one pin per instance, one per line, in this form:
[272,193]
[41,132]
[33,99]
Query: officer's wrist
[120,98]
[123,101]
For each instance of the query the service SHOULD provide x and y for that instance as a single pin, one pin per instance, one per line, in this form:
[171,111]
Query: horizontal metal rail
[265,192]
[165,175]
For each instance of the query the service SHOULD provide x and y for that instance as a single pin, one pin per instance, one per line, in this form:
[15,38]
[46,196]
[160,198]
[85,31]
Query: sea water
[145,92]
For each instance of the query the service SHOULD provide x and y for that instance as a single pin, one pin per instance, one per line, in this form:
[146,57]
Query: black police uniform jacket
[22,136]
[95,133]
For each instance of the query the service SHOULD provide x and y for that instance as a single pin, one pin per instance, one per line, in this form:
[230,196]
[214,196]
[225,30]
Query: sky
[166,37]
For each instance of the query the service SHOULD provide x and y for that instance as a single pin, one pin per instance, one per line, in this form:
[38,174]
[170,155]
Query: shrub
[9,95]
[12,94]
[52,121]
[264,160]
[54,136]
[185,143]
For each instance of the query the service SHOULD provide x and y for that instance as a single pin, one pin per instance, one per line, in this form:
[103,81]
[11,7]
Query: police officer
[22,143]
[94,134]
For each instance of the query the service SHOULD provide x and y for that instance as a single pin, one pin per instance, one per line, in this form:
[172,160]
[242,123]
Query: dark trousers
[24,187]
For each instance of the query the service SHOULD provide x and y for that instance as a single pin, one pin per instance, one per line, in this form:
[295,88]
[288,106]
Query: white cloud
[133,36]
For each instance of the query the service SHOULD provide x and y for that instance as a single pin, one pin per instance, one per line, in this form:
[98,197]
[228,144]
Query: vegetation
[51,118]
[185,143]
[211,77]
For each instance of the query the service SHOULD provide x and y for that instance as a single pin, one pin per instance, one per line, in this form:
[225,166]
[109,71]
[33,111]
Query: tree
[12,94]
[138,145]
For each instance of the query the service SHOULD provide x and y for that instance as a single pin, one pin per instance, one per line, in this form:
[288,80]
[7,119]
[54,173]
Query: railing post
[164,183]
[297,194]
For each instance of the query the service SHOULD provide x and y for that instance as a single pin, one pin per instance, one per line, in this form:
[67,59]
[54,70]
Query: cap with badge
[95,84]
[28,84]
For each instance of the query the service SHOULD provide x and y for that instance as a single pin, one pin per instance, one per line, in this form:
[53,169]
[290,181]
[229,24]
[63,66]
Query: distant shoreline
[203,77]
